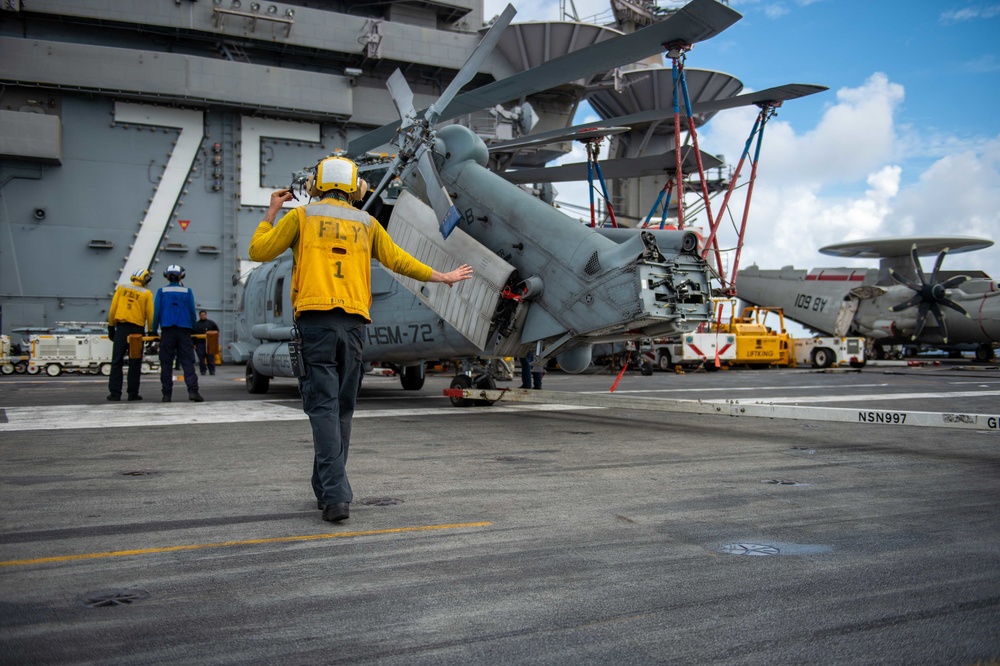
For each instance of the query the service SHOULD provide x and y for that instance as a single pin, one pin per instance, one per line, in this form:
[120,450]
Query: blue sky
[905,142]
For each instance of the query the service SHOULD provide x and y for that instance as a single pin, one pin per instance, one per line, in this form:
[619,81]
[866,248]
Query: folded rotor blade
[440,201]
[780,93]
[625,167]
[402,98]
[697,21]
[472,65]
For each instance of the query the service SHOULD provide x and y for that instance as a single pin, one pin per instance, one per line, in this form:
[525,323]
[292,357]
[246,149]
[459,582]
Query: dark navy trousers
[175,342]
[332,344]
[119,353]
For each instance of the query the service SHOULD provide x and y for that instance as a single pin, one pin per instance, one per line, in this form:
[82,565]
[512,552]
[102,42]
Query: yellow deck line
[247,542]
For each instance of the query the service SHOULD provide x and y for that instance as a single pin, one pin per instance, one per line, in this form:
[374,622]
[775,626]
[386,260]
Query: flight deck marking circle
[113,598]
[756,549]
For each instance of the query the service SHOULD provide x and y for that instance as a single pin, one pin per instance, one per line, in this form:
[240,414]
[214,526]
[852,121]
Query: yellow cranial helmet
[334,173]
[142,276]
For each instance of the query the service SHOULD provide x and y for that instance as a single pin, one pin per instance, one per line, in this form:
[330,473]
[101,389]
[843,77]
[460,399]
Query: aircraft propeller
[415,136]
[929,295]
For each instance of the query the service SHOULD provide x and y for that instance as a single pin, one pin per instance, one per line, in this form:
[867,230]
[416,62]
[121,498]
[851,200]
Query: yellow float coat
[332,245]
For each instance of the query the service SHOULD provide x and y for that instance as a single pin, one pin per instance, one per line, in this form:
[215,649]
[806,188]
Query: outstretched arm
[463,272]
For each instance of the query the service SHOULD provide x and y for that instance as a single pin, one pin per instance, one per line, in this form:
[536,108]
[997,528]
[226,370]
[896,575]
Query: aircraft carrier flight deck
[187,533]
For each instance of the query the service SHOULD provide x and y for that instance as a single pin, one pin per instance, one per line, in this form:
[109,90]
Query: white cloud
[971,14]
[842,180]
[853,175]
[775,10]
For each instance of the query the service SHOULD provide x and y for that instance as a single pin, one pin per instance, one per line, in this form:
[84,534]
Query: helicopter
[543,282]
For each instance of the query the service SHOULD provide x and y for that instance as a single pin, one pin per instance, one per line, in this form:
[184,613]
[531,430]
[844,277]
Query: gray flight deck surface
[514,535]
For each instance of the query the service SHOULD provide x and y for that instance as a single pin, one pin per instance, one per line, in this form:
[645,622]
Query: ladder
[230,229]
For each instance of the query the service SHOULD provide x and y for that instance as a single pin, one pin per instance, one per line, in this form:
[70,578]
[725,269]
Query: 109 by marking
[808,302]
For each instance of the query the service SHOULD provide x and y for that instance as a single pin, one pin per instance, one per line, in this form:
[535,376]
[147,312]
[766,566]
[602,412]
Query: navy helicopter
[543,281]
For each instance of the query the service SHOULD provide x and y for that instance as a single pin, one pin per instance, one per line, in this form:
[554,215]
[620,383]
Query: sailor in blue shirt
[174,312]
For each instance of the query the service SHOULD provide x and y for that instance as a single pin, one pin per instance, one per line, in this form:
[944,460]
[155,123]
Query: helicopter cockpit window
[279,291]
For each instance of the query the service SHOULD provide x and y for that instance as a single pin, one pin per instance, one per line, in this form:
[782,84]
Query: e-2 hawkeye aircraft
[543,281]
[895,304]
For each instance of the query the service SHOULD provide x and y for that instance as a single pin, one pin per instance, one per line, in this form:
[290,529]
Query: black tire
[663,361]
[487,383]
[984,353]
[646,368]
[461,382]
[256,382]
[412,377]
[822,357]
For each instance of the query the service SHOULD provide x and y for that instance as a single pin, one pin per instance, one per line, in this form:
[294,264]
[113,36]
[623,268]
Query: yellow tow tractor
[757,343]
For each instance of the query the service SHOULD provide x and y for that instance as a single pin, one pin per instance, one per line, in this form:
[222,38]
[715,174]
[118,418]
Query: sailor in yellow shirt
[333,244]
[131,312]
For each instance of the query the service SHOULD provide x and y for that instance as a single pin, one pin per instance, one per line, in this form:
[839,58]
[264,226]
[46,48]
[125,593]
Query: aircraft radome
[895,304]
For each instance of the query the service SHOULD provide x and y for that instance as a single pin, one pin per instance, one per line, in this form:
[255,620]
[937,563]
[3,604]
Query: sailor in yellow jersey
[131,312]
[332,245]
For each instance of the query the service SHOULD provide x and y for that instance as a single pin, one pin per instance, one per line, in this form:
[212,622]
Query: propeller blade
[921,320]
[942,324]
[696,21]
[917,268]
[954,281]
[937,265]
[402,98]
[472,65]
[914,300]
[440,200]
[903,281]
[955,306]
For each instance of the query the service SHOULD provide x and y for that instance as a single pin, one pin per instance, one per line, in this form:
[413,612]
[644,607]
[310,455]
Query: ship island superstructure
[143,133]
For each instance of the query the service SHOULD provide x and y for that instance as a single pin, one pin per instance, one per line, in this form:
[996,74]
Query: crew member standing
[332,246]
[201,327]
[174,311]
[131,312]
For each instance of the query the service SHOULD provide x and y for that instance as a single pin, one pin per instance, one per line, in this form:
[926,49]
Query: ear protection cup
[359,194]
[311,188]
